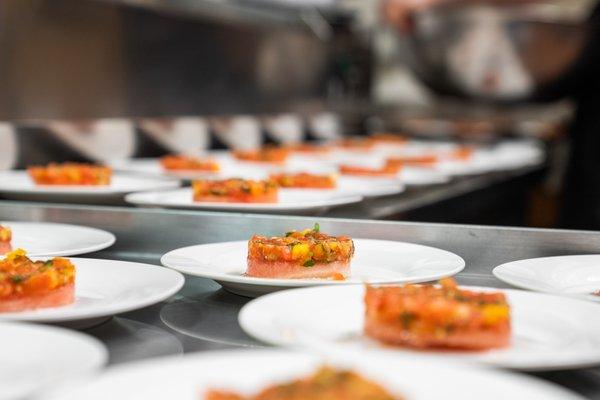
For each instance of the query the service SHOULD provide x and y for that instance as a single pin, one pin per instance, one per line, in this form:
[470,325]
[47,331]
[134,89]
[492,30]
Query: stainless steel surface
[417,197]
[203,317]
[495,53]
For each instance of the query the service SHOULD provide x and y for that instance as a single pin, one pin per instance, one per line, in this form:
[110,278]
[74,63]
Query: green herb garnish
[309,263]
[406,318]
[316,228]
[18,278]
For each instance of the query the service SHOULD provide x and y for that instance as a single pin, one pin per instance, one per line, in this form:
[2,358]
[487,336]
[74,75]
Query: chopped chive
[18,278]
[309,263]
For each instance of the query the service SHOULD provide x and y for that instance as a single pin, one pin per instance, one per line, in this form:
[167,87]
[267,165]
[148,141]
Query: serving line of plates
[36,357]
[17,185]
[42,239]
[549,332]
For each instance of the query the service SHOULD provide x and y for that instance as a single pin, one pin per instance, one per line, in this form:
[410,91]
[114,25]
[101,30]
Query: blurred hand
[398,13]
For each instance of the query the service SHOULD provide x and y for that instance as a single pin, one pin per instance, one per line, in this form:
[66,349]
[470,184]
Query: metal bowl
[495,53]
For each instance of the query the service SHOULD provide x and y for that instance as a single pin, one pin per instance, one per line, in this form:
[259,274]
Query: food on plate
[303,254]
[275,155]
[71,174]
[29,285]
[356,170]
[309,148]
[462,153]
[361,144]
[430,159]
[388,138]
[326,383]
[5,238]
[425,160]
[305,180]
[444,316]
[235,191]
[188,163]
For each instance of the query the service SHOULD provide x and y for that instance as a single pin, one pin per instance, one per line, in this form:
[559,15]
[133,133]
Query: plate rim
[497,271]
[111,238]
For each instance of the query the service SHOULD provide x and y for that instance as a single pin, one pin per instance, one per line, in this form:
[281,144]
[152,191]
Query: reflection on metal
[73,59]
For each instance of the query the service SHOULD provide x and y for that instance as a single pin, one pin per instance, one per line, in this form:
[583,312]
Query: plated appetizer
[360,144]
[424,316]
[70,174]
[29,285]
[426,160]
[387,170]
[5,239]
[326,383]
[305,180]
[235,191]
[306,254]
[272,155]
[188,163]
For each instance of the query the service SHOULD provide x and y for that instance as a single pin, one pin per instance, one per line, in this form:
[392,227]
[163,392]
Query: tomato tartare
[71,174]
[29,285]
[188,163]
[303,254]
[385,171]
[235,191]
[425,160]
[305,180]
[444,316]
[5,239]
[274,155]
[326,383]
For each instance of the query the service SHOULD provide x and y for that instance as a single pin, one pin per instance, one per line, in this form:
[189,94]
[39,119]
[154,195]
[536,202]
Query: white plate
[577,276]
[549,332]
[51,240]
[298,201]
[370,188]
[18,186]
[107,287]
[35,357]
[188,378]
[375,261]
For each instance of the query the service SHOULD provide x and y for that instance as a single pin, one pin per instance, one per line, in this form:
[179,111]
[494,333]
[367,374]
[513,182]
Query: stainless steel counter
[204,317]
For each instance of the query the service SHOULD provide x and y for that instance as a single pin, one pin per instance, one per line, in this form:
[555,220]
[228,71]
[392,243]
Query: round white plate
[52,240]
[190,377]
[375,261]
[577,276]
[549,332]
[298,201]
[35,357]
[369,187]
[17,185]
[107,287]
[412,176]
